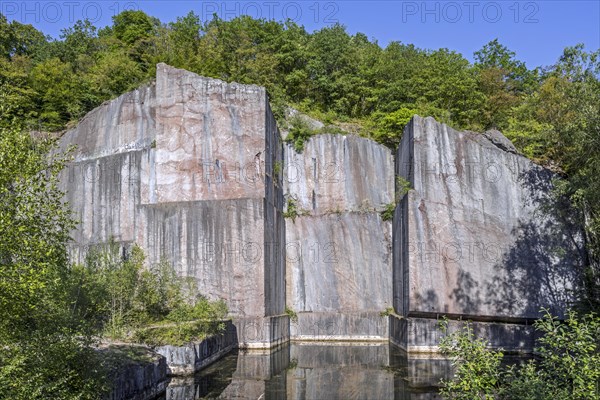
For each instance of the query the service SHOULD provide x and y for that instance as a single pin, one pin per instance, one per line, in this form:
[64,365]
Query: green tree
[15,89]
[330,68]
[44,343]
[446,82]
[568,365]
[183,40]
[113,74]
[59,93]
[17,39]
[388,127]
[502,80]
[133,26]
[79,45]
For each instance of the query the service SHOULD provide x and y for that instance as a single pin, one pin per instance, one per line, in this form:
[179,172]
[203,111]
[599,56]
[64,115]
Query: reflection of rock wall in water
[314,371]
[193,170]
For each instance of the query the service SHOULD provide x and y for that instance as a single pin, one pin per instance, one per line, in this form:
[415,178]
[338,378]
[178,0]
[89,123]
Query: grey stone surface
[262,332]
[192,357]
[138,373]
[500,141]
[338,250]
[338,173]
[184,167]
[478,235]
[339,262]
[340,326]
[422,335]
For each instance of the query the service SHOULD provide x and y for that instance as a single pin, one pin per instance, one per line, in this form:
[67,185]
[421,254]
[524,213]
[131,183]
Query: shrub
[568,366]
[300,132]
[292,210]
[292,314]
[476,368]
[402,188]
[151,306]
[388,127]
[388,213]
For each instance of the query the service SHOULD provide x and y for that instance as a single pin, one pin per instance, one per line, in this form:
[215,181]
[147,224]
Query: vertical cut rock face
[338,249]
[184,168]
[193,170]
[338,173]
[479,235]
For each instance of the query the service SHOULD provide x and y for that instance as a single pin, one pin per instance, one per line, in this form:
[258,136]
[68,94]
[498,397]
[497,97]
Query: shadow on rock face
[544,265]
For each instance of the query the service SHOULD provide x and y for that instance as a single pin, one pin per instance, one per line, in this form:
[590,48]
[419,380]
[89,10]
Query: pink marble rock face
[483,235]
[178,167]
[210,140]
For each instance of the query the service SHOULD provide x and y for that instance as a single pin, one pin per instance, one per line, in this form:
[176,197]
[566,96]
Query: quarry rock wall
[339,250]
[478,236]
[195,172]
[183,168]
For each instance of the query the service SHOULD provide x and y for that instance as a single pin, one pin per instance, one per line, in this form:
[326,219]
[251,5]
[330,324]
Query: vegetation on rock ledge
[152,306]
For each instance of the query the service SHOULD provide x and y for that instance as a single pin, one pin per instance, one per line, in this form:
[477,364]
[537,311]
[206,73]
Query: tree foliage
[567,365]
[45,343]
[328,70]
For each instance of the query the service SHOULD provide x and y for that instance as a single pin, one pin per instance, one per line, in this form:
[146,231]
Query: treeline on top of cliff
[330,74]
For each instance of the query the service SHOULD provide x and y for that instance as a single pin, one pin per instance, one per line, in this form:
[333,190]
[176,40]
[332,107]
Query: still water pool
[307,371]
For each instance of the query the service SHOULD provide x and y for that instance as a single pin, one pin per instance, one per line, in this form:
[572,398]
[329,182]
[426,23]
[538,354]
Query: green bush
[292,210]
[388,213]
[477,369]
[58,366]
[387,312]
[292,314]
[332,130]
[568,365]
[402,188]
[300,132]
[388,127]
[130,302]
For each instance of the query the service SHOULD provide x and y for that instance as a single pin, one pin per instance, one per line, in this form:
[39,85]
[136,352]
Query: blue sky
[537,31]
